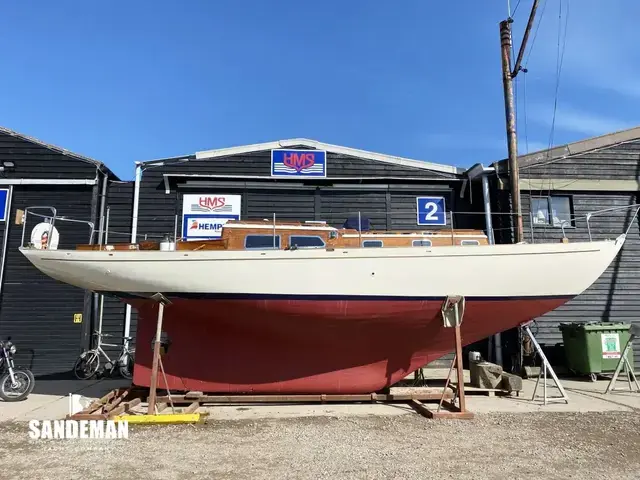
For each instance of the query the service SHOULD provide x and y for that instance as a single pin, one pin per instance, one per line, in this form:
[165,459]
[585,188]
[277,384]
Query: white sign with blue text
[431,211]
[203,216]
[4,203]
[298,163]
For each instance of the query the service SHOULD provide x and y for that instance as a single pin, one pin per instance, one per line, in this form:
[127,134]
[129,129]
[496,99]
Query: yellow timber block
[166,418]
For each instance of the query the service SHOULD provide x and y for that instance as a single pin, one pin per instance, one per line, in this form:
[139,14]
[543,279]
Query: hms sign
[210,203]
[203,216]
[298,163]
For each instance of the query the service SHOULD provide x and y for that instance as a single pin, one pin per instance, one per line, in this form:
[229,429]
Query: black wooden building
[564,184]
[382,188]
[50,322]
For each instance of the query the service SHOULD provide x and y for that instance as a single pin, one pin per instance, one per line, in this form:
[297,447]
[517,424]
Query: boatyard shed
[48,321]
[192,196]
[559,187]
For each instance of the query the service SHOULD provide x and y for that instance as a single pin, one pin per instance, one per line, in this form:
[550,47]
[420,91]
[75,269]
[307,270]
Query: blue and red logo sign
[205,226]
[298,163]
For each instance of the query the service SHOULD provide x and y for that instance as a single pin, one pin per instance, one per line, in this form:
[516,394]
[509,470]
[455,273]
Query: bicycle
[88,362]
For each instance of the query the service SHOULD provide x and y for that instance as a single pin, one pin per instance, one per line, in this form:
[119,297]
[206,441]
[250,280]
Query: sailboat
[304,307]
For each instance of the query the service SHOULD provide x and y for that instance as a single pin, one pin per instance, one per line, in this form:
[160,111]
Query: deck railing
[360,215]
[51,221]
[600,212]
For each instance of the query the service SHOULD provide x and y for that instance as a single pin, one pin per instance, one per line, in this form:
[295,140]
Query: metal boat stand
[153,416]
[452,312]
[624,363]
[546,367]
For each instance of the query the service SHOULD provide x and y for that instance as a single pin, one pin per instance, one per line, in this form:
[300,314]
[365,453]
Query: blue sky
[125,81]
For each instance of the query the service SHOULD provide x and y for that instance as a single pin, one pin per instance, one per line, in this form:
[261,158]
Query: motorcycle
[16,383]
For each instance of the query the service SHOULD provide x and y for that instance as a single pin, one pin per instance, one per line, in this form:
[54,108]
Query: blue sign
[4,203]
[298,163]
[431,211]
[204,226]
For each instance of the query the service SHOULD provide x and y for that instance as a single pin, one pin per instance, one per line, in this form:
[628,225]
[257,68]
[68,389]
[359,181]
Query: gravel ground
[546,445]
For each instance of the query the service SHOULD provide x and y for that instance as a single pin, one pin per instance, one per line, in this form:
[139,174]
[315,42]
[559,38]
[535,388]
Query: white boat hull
[522,270]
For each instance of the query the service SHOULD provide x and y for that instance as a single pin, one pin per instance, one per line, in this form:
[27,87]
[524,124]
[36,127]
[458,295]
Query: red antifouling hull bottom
[310,346]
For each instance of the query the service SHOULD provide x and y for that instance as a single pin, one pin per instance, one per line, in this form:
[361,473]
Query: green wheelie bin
[594,347]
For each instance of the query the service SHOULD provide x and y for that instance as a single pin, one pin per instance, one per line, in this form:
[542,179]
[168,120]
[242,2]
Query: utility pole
[512,142]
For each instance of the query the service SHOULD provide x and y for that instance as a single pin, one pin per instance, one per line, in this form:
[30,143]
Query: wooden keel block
[485,375]
[511,382]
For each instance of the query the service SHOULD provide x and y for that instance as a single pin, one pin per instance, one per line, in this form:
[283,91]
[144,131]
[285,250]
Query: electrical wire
[559,62]
[535,34]
[515,9]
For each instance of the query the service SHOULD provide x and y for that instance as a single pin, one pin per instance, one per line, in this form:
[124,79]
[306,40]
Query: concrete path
[50,400]
[584,396]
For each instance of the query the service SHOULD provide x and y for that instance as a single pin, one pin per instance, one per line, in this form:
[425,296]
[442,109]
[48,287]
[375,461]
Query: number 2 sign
[431,211]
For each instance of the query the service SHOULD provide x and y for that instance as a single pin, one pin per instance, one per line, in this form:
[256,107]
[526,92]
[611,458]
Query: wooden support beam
[101,401]
[460,370]
[419,407]
[116,401]
[192,408]
[124,408]
[87,416]
[432,394]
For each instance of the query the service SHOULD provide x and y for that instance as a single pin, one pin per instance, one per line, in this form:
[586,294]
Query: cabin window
[371,243]
[306,241]
[552,211]
[261,242]
[469,242]
[421,243]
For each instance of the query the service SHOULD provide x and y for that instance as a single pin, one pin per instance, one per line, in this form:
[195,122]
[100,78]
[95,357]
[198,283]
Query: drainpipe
[487,209]
[97,300]
[134,236]
[497,338]
[479,170]
[103,202]
[89,304]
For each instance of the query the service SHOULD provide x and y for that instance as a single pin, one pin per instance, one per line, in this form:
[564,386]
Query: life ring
[45,237]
